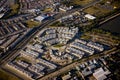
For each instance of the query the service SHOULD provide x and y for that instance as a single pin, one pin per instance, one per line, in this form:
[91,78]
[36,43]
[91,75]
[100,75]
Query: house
[86,72]
[101,74]
[40,18]
[43,17]
[64,8]
[66,77]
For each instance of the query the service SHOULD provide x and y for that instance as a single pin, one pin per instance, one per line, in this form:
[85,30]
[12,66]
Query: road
[13,52]
[110,18]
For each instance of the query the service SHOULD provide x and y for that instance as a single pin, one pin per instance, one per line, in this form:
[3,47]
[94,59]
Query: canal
[112,25]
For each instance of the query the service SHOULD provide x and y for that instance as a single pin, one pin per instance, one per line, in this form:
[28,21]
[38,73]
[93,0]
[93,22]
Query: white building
[101,74]
[90,16]
[81,41]
[66,77]
[83,47]
[40,18]
[95,45]
[42,61]
[1,15]
[75,52]
[64,8]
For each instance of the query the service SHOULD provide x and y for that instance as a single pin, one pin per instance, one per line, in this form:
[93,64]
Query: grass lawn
[86,37]
[14,11]
[81,2]
[57,24]
[6,76]
[92,10]
[58,45]
[76,2]
[31,24]
[47,10]
[24,59]
[96,11]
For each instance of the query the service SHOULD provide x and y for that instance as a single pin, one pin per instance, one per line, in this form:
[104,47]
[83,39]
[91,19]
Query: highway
[13,52]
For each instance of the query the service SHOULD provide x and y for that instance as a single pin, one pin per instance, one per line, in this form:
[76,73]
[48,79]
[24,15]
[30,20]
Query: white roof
[100,74]
[31,10]
[1,8]
[40,18]
[89,16]
[1,15]
[66,77]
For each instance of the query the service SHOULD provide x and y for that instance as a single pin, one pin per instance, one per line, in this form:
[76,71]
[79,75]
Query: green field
[58,45]
[76,2]
[81,2]
[14,11]
[31,24]
[99,11]
[93,10]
